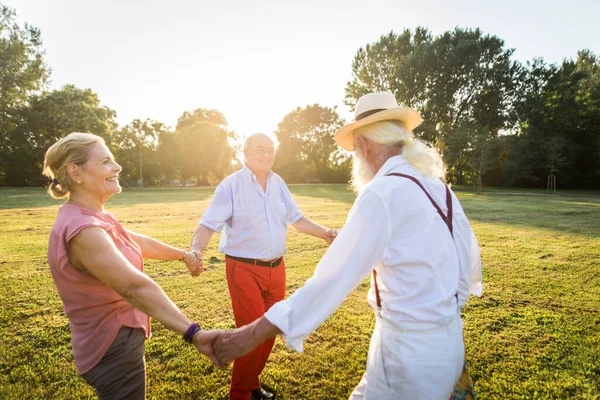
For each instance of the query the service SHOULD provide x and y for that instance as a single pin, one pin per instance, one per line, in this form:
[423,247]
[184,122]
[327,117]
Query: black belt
[254,261]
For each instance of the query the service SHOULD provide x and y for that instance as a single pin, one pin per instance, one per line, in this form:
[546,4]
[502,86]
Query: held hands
[238,342]
[233,344]
[222,347]
[193,261]
[330,235]
[204,342]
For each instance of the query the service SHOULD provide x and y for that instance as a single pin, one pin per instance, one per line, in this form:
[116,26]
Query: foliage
[22,73]
[47,118]
[136,146]
[22,69]
[494,120]
[559,116]
[487,114]
[307,147]
[458,81]
[205,152]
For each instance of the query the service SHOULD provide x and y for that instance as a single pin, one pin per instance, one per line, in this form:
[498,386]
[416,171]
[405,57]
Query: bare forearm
[96,253]
[262,330]
[149,298]
[201,238]
[308,227]
[158,250]
[241,341]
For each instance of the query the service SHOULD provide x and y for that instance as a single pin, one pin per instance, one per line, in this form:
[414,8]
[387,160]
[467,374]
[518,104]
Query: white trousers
[416,365]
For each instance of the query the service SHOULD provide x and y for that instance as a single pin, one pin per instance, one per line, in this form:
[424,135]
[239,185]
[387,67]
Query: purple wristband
[191,331]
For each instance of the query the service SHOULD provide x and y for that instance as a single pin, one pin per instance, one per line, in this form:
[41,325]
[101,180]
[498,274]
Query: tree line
[495,120]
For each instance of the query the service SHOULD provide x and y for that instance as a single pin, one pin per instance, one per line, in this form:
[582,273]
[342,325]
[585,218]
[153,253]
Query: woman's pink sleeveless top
[95,311]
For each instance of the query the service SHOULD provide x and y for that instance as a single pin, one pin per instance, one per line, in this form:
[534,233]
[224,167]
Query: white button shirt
[255,221]
[394,228]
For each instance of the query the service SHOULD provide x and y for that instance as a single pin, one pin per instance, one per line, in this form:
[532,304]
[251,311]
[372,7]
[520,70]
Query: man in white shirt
[255,206]
[410,230]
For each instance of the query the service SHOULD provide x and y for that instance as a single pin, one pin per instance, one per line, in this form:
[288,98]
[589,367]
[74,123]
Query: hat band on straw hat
[367,113]
[375,107]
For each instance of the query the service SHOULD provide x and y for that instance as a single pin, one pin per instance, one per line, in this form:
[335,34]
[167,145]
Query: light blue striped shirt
[255,221]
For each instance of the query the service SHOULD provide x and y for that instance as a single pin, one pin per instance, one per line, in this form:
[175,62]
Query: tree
[206,152]
[306,135]
[477,150]
[22,69]
[47,118]
[22,73]
[211,116]
[584,105]
[391,65]
[559,113]
[136,146]
[168,155]
[461,77]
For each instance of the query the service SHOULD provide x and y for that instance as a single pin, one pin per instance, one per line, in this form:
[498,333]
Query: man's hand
[238,342]
[330,235]
[204,342]
[234,344]
[193,261]
[307,226]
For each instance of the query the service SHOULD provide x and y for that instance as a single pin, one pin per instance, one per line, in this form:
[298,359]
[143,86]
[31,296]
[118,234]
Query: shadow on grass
[577,214]
[11,198]
[336,192]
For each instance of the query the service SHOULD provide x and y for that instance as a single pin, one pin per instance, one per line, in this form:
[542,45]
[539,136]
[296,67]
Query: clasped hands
[222,347]
[330,235]
[193,262]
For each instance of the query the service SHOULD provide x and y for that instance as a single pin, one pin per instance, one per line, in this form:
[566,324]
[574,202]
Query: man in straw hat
[410,231]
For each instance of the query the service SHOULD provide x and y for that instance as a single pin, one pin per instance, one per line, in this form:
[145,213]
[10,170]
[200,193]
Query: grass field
[535,333]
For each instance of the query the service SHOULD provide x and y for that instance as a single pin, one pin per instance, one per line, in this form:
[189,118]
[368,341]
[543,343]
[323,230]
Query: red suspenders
[446,218]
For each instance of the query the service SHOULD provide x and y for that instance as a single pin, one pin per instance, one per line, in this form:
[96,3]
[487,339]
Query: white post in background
[141,175]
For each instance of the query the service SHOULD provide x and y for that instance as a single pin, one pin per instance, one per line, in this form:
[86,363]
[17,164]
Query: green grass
[535,333]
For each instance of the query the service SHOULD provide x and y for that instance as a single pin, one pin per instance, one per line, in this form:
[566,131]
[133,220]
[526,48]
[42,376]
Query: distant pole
[551,184]
[141,175]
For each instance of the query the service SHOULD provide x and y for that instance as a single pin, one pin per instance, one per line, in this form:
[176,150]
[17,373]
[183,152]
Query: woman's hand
[233,344]
[330,235]
[193,261]
[204,342]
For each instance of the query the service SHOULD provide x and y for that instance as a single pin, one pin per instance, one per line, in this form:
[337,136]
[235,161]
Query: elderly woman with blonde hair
[98,269]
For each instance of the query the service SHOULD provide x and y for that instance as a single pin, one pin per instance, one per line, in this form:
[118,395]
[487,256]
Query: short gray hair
[251,138]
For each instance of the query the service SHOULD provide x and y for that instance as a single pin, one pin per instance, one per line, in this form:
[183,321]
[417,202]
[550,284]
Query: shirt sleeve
[469,258]
[219,210]
[292,212]
[72,229]
[359,246]
[78,223]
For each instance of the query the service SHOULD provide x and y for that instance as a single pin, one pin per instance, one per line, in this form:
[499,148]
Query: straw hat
[375,107]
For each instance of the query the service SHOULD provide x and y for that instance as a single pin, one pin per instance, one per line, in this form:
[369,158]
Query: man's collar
[248,172]
[390,164]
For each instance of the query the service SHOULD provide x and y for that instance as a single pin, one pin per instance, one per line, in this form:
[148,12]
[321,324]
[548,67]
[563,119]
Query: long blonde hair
[393,137]
[72,149]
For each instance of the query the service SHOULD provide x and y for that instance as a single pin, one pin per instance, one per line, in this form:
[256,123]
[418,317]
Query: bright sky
[255,61]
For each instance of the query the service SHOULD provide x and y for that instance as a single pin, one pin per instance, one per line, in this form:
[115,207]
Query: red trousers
[253,290]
